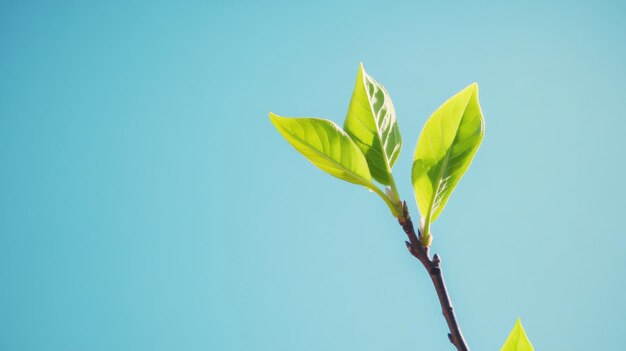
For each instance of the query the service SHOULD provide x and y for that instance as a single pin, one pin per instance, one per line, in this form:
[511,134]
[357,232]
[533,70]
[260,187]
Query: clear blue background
[146,202]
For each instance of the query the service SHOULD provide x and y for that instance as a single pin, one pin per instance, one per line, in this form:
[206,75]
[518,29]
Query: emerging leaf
[444,151]
[327,146]
[371,123]
[517,340]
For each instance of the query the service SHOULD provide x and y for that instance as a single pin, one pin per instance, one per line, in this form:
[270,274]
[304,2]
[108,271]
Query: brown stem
[433,267]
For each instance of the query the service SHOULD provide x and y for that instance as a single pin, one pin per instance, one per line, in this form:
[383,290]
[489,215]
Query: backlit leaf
[327,146]
[444,151]
[517,340]
[371,123]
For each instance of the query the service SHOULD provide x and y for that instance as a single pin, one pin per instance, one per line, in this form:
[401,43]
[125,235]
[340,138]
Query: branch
[433,267]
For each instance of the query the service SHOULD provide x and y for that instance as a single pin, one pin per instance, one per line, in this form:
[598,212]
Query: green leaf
[517,340]
[329,148]
[444,151]
[371,123]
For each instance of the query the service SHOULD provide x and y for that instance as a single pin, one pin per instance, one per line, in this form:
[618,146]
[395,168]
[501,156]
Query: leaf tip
[473,87]
[273,116]
[275,120]
[362,72]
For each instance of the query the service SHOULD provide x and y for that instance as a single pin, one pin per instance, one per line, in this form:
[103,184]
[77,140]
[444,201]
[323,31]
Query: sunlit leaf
[444,151]
[517,340]
[329,148]
[371,123]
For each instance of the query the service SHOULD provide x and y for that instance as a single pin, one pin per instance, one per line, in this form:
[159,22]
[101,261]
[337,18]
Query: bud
[428,240]
[425,238]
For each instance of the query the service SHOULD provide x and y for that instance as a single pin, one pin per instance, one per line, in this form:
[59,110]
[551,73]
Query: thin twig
[433,267]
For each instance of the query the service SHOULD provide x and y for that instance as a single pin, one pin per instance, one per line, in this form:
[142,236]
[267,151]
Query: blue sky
[148,203]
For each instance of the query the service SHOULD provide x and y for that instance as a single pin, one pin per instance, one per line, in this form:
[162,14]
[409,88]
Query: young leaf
[517,340]
[327,146]
[444,151]
[371,123]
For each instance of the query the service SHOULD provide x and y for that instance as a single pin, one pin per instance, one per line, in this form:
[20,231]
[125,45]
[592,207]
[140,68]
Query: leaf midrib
[444,167]
[319,153]
[438,182]
[378,136]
